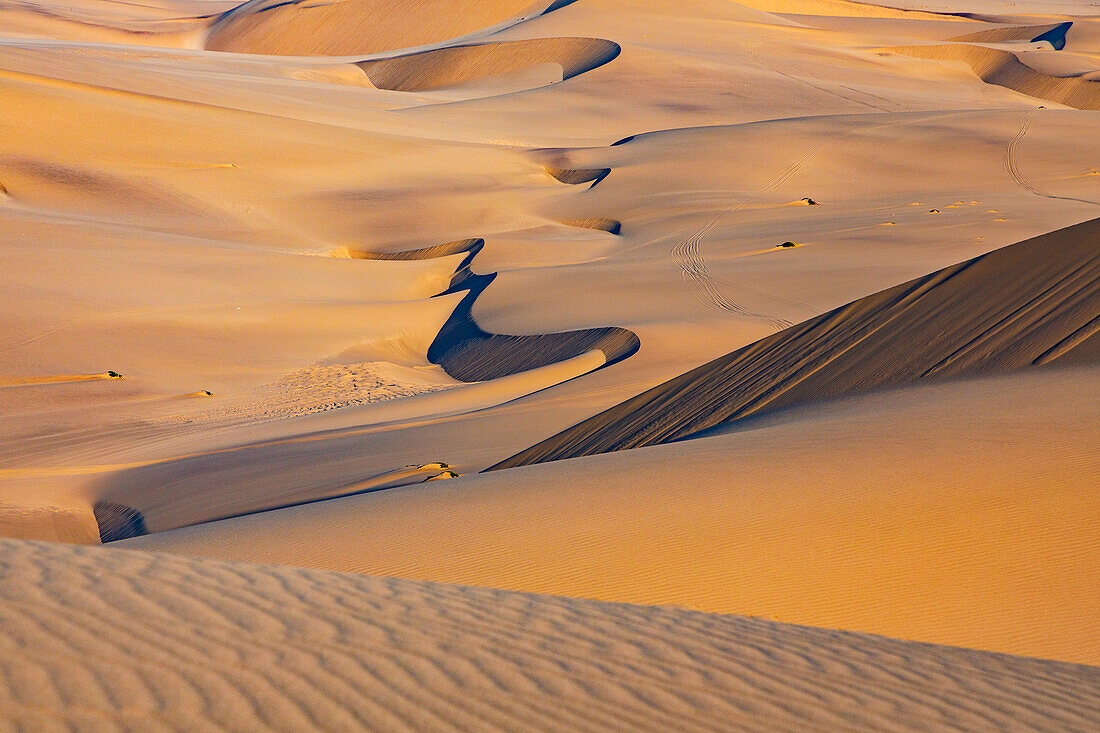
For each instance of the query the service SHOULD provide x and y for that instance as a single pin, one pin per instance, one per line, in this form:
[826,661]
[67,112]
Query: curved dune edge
[468,353]
[180,640]
[994,66]
[119,521]
[577,176]
[1055,34]
[499,367]
[599,223]
[957,322]
[455,65]
[469,247]
[161,496]
[352,27]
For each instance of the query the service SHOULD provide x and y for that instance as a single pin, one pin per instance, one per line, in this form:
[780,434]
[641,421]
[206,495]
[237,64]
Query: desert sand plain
[577,365]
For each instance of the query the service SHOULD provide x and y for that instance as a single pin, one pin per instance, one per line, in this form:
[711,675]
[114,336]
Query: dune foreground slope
[632,320]
[189,643]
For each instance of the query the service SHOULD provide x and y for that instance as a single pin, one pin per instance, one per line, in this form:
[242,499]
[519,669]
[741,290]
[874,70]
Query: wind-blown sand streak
[328,651]
[911,332]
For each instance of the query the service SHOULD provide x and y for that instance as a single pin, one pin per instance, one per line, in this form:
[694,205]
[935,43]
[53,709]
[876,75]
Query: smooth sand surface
[939,513]
[103,638]
[333,247]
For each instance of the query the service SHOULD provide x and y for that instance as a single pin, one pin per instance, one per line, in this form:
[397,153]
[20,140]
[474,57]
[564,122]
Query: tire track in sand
[1012,164]
[693,267]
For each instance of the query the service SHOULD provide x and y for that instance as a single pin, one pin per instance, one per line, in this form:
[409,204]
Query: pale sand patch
[324,387]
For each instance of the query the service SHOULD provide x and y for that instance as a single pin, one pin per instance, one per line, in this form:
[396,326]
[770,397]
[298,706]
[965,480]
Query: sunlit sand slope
[960,513]
[1028,304]
[353,26]
[97,639]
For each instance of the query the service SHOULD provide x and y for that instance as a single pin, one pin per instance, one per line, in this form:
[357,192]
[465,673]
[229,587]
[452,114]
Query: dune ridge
[332,651]
[351,27]
[1055,34]
[468,353]
[1050,312]
[1002,68]
[455,65]
[118,521]
[464,350]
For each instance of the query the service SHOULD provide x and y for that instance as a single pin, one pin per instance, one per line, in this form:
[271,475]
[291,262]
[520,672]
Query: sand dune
[118,521]
[335,651]
[355,27]
[348,254]
[1003,68]
[1051,312]
[600,223]
[471,354]
[984,518]
[456,65]
[1054,34]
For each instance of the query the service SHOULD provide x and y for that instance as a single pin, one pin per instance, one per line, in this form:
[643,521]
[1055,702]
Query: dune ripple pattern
[1027,304]
[189,643]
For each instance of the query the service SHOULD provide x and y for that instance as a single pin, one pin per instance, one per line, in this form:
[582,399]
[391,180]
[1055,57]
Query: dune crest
[456,65]
[1003,68]
[354,27]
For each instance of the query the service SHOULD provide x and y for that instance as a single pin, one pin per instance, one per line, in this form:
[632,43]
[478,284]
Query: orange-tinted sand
[280,280]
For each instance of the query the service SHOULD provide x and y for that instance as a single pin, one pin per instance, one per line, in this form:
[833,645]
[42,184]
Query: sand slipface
[454,65]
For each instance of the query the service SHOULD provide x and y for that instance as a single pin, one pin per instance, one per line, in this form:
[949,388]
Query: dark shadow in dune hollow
[465,351]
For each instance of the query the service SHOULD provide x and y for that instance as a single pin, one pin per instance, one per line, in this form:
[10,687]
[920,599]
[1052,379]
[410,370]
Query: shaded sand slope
[1054,34]
[455,65]
[353,26]
[963,513]
[1031,303]
[469,353]
[169,636]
